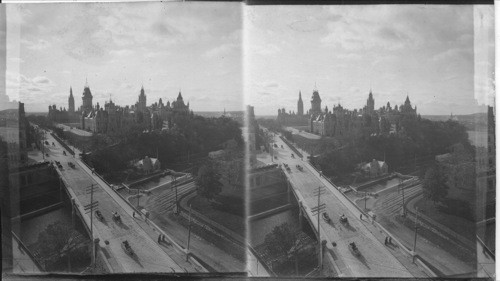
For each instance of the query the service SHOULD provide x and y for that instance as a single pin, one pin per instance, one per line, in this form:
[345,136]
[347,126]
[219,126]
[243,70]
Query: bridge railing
[25,249]
[379,226]
[62,143]
[291,146]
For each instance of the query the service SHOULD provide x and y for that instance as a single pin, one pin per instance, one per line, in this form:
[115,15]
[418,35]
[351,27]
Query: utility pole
[189,234]
[317,210]
[176,201]
[365,200]
[415,161]
[401,187]
[415,241]
[138,196]
[90,209]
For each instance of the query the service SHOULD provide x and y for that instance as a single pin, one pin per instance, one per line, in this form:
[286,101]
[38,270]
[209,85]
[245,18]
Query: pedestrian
[385,242]
[133,215]
[361,216]
[159,239]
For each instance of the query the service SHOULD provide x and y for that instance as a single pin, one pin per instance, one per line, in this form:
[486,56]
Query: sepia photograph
[143,140]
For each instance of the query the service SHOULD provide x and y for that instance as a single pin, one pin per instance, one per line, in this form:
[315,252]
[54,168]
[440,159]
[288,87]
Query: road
[150,257]
[376,259]
[161,205]
[388,206]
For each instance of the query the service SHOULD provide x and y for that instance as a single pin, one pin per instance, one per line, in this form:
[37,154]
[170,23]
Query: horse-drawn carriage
[99,215]
[126,247]
[354,249]
[343,219]
[326,218]
[117,218]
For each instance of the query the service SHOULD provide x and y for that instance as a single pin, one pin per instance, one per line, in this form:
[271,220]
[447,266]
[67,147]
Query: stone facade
[341,122]
[112,119]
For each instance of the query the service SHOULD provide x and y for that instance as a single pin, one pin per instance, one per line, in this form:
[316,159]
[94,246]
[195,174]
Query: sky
[117,48]
[441,56]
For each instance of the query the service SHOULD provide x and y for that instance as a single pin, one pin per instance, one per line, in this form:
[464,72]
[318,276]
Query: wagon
[326,218]
[117,218]
[354,249]
[99,215]
[126,247]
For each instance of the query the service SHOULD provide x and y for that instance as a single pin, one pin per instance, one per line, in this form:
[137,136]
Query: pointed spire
[407,98]
[86,82]
[300,95]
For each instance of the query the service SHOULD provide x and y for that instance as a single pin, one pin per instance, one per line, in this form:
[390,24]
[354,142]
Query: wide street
[388,206]
[149,256]
[376,259]
[161,204]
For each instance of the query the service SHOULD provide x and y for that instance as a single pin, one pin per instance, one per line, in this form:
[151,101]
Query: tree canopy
[434,184]
[281,240]
[207,181]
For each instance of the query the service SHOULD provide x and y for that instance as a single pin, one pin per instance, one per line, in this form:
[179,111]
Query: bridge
[376,259]
[108,235]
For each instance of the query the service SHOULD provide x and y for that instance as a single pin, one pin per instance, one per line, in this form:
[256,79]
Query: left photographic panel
[121,144]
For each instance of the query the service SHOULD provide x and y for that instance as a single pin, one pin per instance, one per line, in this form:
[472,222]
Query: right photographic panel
[372,140]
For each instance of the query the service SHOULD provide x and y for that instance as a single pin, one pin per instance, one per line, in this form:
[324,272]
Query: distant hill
[36,113]
[473,122]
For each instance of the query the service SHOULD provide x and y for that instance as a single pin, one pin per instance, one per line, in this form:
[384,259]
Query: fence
[376,224]
[62,143]
[25,249]
[291,146]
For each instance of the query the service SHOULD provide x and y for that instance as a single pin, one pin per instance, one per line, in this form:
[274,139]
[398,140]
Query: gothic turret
[370,103]
[142,100]
[86,99]
[71,101]
[300,105]
[315,103]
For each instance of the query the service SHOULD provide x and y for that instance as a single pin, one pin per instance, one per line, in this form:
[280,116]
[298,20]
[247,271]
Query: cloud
[452,54]
[41,44]
[41,80]
[16,60]
[272,85]
[221,51]
[265,50]
[121,52]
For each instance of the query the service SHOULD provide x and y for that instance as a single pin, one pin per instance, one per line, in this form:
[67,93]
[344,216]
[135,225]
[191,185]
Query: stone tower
[71,101]
[300,105]
[315,103]
[86,99]
[370,103]
[142,100]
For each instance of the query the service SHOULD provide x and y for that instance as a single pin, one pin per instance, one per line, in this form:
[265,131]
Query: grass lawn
[454,215]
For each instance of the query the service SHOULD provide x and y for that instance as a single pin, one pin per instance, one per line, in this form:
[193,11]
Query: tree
[435,187]
[59,240]
[207,181]
[231,165]
[281,240]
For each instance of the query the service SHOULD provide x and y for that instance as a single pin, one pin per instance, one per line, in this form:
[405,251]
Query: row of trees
[457,170]
[421,139]
[228,168]
[192,137]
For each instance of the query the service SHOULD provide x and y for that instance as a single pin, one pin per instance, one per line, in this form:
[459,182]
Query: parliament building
[341,122]
[111,118]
